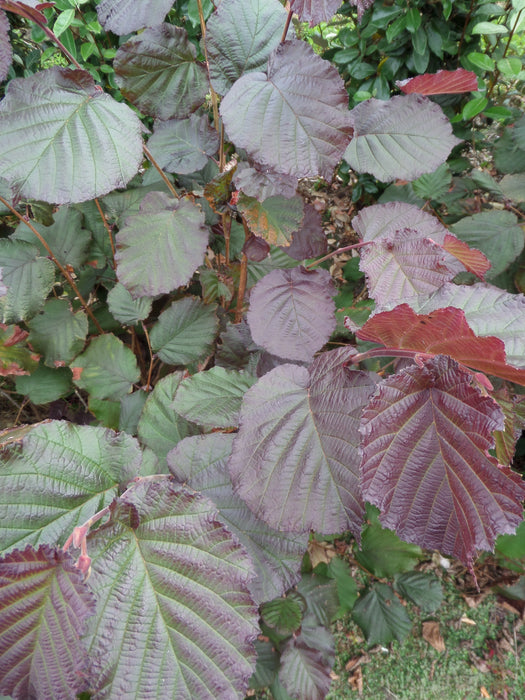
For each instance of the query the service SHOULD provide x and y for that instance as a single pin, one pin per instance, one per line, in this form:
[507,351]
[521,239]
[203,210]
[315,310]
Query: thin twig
[242,288]
[53,258]
[346,248]
[157,167]
[226,227]
[151,358]
[214,101]
[287,25]
[108,229]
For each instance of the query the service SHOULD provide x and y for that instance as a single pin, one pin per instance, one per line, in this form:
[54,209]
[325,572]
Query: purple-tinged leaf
[61,138]
[306,663]
[301,107]
[183,145]
[384,220]
[310,240]
[404,137]
[160,248]
[295,458]
[261,183]
[443,331]
[425,440]
[315,11]
[175,615]
[6,53]
[292,313]
[158,72]
[63,474]
[126,16]
[240,37]
[473,260]
[275,219]
[202,463]
[404,265]
[256,249]
[362,7]
[444,82]
[489,311]
[44,604]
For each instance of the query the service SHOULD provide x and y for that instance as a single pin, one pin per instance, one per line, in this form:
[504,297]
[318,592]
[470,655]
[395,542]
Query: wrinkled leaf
[287,463]
[6,52]
[58,333]
[61,137]
[315,11]
[183,145]
[403,137]
[264,183]
[425,436]
[310,240]
[275,219]
[306,663]
[300,105]
[179,578]
[109,368]
[202,463]
[292,313]
[126,16]
[282,614]
[126,309]
[44,604]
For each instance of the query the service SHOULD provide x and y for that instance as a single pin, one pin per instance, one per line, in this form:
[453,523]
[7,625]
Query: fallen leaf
[467,621]
[484,692]
[432,635]
[320,552]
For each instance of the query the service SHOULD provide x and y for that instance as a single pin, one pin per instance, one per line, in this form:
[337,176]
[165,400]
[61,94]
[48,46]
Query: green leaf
[183,145]
[240,37]
[107,413]
[185,332]
[424,590]
[45,384]
[282,614]
[496,233]
[481,60]
[413,19]
[513,187]
[109,368]
[62,475]
[67,239]
[275,219]
[433,185]
[213,398]
[28,279]
[58,333]
[489,28]
[165,567]
[267,665]
[131,407]
[510,67]
[474,107]
[381,616]
[320,594]
[383,553]
[44,604]
[160,248]
[403,137]
[15,358]
[508,156]
[512,546]
[339,570]
[157,71]
[159,427]
[125,308]
[63,21]
[61,138]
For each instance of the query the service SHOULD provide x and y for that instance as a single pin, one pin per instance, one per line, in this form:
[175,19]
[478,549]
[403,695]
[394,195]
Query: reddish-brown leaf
[444,82]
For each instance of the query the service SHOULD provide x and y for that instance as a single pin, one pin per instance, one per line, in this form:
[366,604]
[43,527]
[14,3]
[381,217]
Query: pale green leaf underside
[109,368]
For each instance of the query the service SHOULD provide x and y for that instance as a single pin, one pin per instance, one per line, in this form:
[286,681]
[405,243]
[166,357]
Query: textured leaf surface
[160,428]
[292,313]
[61,138]
[263,183]
[64,474]
[240,37]
[443,82]
[183,145]
[25,278]
[275,219]
[213,398]
[310,240]
[160,248]
[383,553]
[179,579]
[496,233]
[443,331]
[381,616]
[126,309]
[425,465]
[424,590]
[301,107]
[157,71]
[315,11]
[126,16]
[403,137]
[473,260]
[58,333]
[185,332]
[45,384]
[6,53]
[488,310]
[109,368]
[306,663]
[202,463]
[287,463]
[282,614]
[66,237]
[384,220]
[44,604]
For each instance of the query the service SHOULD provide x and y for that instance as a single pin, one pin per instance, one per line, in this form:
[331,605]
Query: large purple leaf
[262,183]
[183,145]
[61,138]
[425,440]
[160,248]
[175,616]
[292,313]
[384,220]
[404,137]
[306,662]
[202,462]
[126,16]
[310,240]
[44,604]
[240,37]
[295,458]
[157,71]
[301,108]
[315,11]
[6,53]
